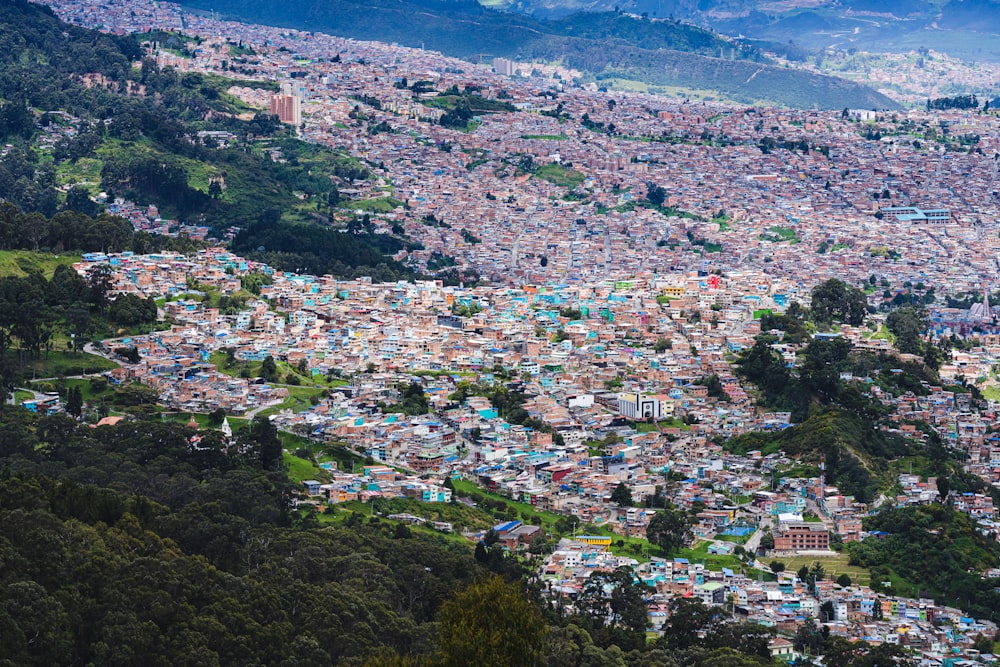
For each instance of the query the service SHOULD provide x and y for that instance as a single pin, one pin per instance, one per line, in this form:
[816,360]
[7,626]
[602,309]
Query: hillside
[607,45]
[81,119]
[962,28]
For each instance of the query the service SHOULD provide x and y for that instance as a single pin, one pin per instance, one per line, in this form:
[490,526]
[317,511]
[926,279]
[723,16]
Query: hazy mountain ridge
[964,28]
[665,53]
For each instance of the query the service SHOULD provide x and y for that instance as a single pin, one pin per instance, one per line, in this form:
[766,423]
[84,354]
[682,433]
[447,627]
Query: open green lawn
[58,363]
[301,469]
[559,175]
[780,234]
[375,205]
[299,399]
[22,262]
[546,137]
[991,392]
[834,567]
[88,390]
[85,171]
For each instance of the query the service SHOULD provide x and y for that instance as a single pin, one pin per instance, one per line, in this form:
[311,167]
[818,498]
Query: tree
[777,566]
[670,529]
[808,638]
[834,300]
[767,541]
[943,487]
[907,324]
[262,438]
[217,416]
[844,580]
[615,599]
[689,619]
[269,369]
[490,623]
[622,496]
[74,401]
[99,285]
[655,194]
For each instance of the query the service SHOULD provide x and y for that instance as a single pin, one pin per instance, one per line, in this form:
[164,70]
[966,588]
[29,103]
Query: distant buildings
[503,66]
[288,108]
[802,536]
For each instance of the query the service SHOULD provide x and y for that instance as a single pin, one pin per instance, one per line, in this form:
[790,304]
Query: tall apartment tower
[503,67]
[288,108]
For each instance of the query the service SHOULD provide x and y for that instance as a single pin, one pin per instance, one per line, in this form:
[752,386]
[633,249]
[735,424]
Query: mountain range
[606,45]
[967,29]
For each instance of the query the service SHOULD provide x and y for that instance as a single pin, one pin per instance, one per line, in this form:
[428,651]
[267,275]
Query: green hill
[134,134]
[607,45]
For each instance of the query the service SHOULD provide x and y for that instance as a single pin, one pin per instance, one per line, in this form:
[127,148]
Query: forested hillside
[607,45]
[116,123]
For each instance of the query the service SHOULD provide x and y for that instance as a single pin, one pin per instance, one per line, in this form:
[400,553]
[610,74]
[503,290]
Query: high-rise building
[503,66]
[288,108]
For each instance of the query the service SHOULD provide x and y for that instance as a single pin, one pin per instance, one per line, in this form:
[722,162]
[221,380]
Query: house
[781,648]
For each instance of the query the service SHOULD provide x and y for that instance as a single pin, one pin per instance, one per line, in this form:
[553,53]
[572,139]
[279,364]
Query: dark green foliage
[955,102]
[907,324]
[490,623]
[65,231]
[655,194]
[413,401]
[147,155]
[198,568]
[320,250]
[714,385]
[932,551]
[611,605]
[669,529]
[621,496]
[835,301]
[131,310]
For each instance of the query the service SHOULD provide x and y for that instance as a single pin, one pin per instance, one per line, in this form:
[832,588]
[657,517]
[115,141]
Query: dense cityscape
[657,356]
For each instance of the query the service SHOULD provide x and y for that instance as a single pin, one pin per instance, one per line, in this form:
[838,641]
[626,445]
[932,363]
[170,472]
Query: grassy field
[780,234]
[375,205]
[991,393]
[85,171]
[559,175]
[546,137]
[88,391]
[299,398]
[834,567]
[20,263]
[57,364]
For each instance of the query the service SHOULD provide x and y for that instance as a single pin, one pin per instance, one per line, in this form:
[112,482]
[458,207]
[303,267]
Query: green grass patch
[651,427]
[297,401]
[525,511]
[300,470]
[834,566]
[85,171]
[559,175]
[20,263]
[779,234]
[374,205]
[57,364]
[546,137]
[991,393]
[883,333]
